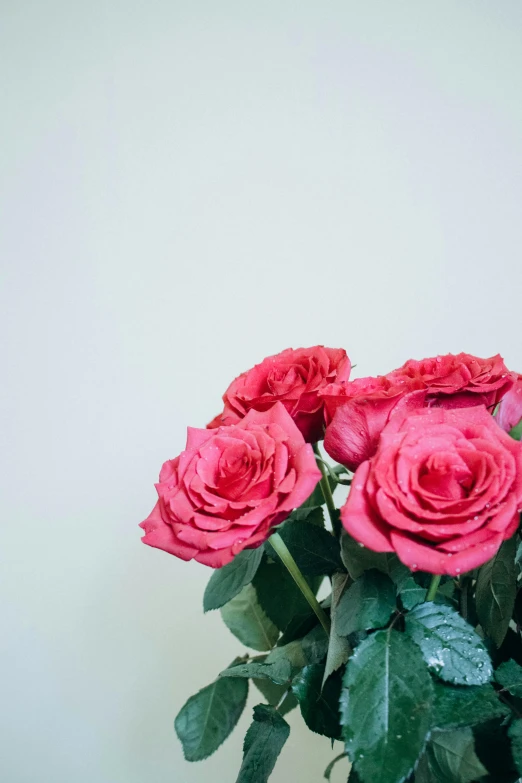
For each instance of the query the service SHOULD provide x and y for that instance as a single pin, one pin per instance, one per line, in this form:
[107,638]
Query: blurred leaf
[450,646]
[515,735]
[509,675]
[496,592]
[368,603]
[264,741]
[455,706]
[386,707]
[452,758]
[245,618]
[208,717]
[338,647]
[225,583]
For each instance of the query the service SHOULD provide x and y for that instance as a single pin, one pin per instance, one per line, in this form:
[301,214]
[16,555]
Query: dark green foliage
[313,548]
[264,741]
[208,717]
[246,619]
[509,675]
[386,707]
[515,735]
[493,747]
[368,603]
[456,706]
[225,583]
[319,704]
[450,757]
[496,591]
[282,600]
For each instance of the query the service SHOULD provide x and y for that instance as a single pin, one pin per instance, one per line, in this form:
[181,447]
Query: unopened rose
[360,410]
[295,378]
[230,487]
[510,410]
[443,490]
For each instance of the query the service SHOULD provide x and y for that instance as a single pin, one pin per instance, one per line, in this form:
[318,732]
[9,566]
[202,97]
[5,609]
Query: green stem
[434,586]
[287,559]
[327,494]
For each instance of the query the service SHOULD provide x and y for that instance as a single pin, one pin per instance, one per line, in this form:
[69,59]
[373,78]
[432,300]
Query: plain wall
[187,187]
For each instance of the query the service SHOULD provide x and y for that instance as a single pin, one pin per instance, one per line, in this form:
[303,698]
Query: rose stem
[287,559]
[327,494]
[434,586]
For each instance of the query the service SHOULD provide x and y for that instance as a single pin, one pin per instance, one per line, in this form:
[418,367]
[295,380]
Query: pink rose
[443,490]
[510,411]
[230,487]
[458,381]
[293,377]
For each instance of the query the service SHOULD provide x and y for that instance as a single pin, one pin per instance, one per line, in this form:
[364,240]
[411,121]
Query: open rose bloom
[414,660]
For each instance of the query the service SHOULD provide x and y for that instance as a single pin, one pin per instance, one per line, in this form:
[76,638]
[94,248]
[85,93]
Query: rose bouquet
[412,658]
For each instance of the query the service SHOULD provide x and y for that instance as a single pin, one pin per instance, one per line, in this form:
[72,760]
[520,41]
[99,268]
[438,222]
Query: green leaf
[515,735]
[338,647]
[274,694]
[516,431]
[450,646]
[313,548]
[452,757]
[455,706]
[283,663]
[386,707]
[245,618]
[281,599]
[263,743]
[319,705]
[314,515]
[368,603]
[411,594]
[225,583]
[509,675]
[496,592]
[329,769]
[358,559]
[208,717]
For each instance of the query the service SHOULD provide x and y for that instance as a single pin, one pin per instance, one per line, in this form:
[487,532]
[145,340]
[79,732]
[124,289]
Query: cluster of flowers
[437,478]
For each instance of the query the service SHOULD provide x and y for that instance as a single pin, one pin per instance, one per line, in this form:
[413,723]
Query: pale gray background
[187,187]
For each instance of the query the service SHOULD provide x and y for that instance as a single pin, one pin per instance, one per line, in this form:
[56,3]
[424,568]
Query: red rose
[510,411]
[443,490]
[293,377]
[230,487]
[458,381]
[360,410]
